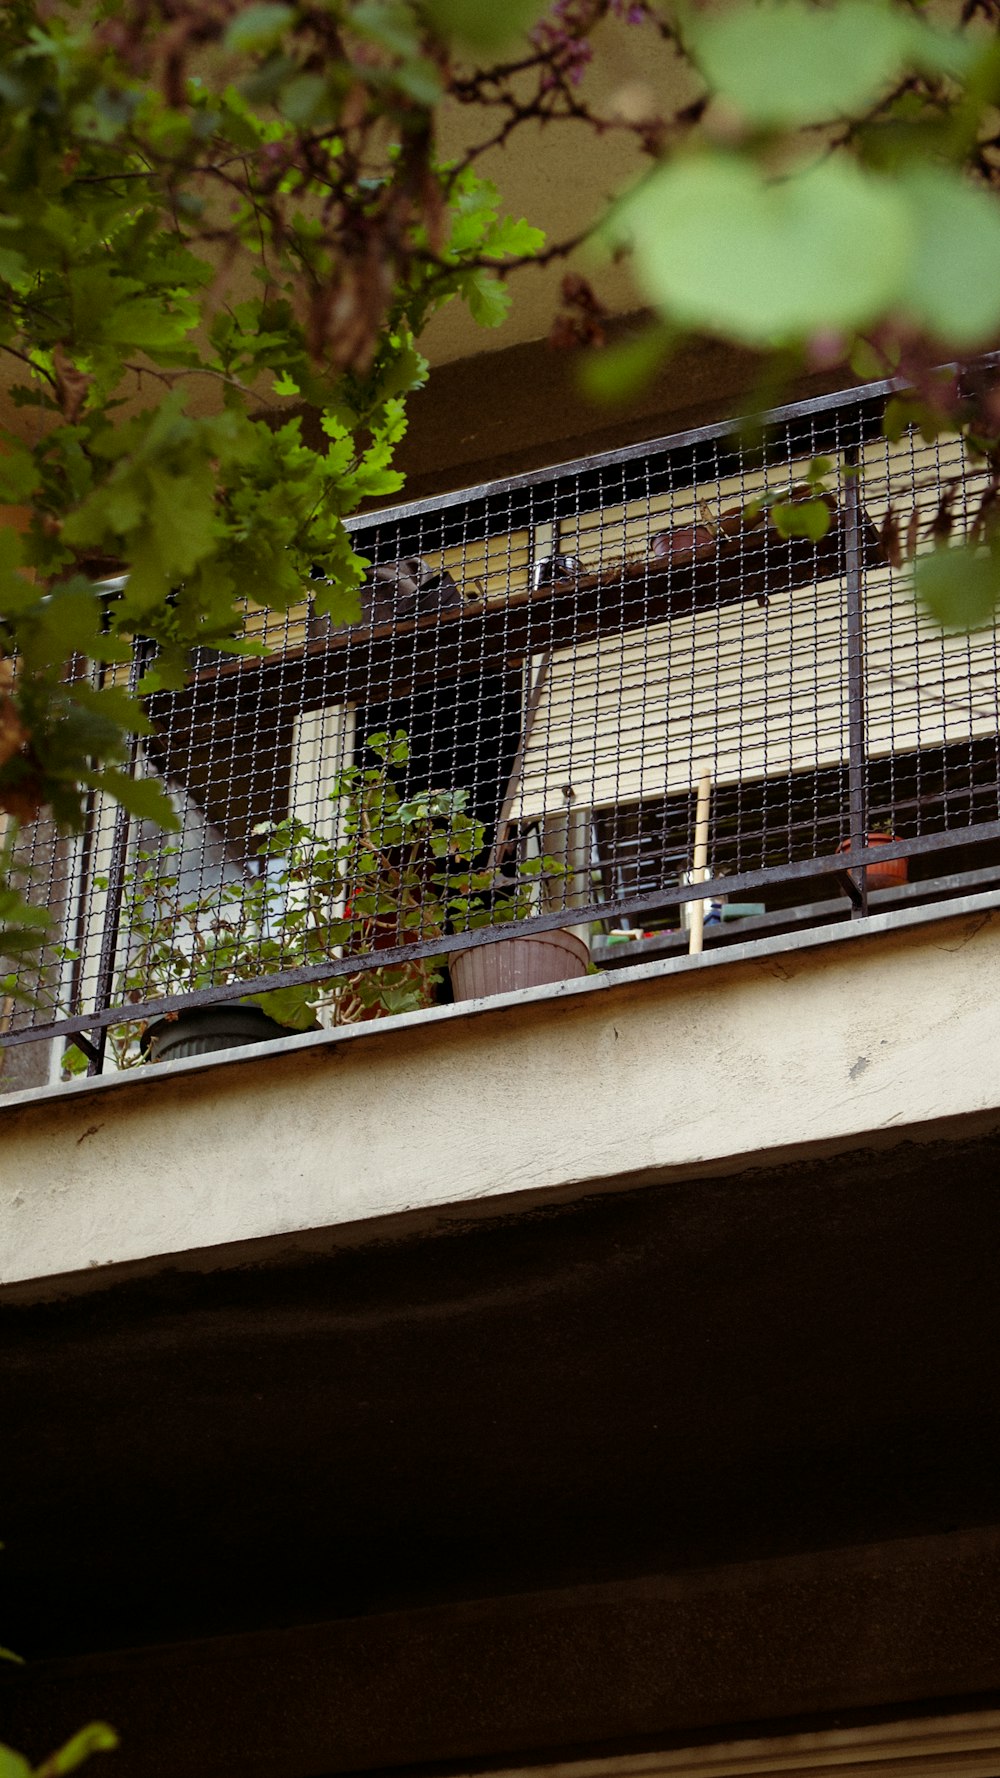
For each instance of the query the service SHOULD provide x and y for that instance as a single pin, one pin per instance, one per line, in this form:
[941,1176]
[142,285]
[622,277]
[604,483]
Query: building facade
[598,1375]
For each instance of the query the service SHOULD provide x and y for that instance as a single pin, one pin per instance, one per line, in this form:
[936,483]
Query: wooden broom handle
[696,931]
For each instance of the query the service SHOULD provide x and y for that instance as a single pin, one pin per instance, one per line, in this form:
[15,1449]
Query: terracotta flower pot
[680,540]
[890,875]
[532,960]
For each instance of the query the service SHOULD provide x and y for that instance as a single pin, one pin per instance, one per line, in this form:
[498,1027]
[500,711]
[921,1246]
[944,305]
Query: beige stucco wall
[627,1077]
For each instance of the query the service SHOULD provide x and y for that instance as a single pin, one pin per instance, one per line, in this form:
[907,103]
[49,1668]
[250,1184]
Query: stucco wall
[881,1026]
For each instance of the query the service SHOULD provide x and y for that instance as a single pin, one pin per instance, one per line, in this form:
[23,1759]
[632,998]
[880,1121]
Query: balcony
[630,699]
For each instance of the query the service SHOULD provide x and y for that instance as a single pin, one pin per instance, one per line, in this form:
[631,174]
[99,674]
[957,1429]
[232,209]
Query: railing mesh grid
[557,662]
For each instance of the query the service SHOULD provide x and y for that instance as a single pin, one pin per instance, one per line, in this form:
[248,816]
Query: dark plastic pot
[204,1029]
[526,962]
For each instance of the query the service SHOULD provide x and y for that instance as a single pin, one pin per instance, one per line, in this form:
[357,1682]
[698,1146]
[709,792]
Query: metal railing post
[116,885]
[855,673]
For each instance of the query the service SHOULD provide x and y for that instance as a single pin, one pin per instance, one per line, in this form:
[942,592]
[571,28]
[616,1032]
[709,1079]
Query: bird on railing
[406,588]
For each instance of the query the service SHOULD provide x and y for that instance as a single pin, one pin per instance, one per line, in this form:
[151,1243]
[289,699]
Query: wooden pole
[696,931]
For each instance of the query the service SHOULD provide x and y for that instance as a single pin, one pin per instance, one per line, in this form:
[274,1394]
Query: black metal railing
[572,670]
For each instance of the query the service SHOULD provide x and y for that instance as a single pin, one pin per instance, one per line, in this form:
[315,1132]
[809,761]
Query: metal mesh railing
[513,738]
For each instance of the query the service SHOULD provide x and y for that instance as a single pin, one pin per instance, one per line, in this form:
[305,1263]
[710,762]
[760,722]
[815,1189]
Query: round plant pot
[890,875]
[204,1029]
[524,962]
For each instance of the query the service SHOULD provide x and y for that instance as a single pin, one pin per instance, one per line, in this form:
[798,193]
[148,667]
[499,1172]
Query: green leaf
[142,797]
[7,1654]
[898,417]
[71,619]
[181,511]
[13,1765]
[937,51]
[97,1737]
[12,265]
[147,323]
[514,237]
[488,299]
[618,372]
[801,518]
[483,24]
[169,672]
[866,363]
[294,1007]
[19,474]
[258,27]
[421,81]
[721,247]
[15,942]
[306,100]
[819,468]
[787,63]
[388,22]
[960,586]
[74,1061]
[952,281]
[340,603]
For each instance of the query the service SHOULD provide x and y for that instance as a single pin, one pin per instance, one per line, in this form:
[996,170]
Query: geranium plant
[397,870]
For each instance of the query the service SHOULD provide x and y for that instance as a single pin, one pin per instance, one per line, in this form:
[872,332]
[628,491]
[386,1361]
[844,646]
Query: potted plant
[531,960]
[416,862]
[409,870]
[179,943]
[526,960]
[399,871]
[890,873]
[309,899]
